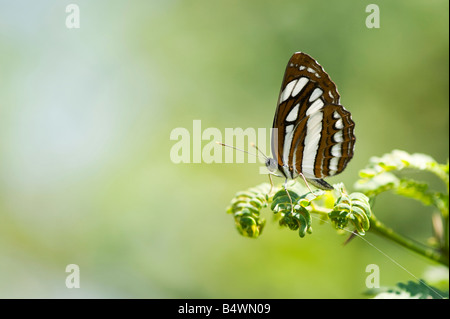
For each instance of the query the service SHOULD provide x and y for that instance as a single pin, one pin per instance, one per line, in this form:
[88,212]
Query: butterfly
[312,134]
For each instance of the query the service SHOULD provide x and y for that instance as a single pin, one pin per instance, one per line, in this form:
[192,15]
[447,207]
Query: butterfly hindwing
[337,141]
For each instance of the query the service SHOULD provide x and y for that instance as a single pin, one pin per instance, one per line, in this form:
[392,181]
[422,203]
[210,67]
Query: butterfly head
[271,165]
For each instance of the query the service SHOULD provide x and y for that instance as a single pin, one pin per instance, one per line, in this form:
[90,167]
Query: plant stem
[379,228]
[446,236]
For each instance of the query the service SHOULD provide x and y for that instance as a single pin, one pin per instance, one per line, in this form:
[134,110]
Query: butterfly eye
[271,165]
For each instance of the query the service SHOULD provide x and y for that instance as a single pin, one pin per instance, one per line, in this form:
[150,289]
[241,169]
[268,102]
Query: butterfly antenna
[260,152]
[238,149]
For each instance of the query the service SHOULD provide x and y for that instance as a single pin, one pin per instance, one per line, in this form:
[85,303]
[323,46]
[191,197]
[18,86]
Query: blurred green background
[86,114]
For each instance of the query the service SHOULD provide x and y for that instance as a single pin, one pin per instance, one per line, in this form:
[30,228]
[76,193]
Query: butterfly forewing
[313,134]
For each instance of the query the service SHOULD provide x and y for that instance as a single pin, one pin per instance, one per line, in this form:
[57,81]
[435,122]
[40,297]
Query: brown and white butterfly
[312,134]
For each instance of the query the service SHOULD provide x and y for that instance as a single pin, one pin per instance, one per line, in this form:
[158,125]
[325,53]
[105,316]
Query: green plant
[353,210]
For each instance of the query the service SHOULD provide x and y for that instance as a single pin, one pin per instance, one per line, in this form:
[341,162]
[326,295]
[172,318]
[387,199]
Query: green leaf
[298,217]
[379,176]
[353,208]
[399,160]
[246,207]
[410,290]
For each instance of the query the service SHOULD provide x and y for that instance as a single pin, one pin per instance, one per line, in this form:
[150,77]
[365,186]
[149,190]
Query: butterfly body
[312,134]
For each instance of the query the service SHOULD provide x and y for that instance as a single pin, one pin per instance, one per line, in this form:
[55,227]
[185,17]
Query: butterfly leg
[271,184]
[290,199]
[307,185]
